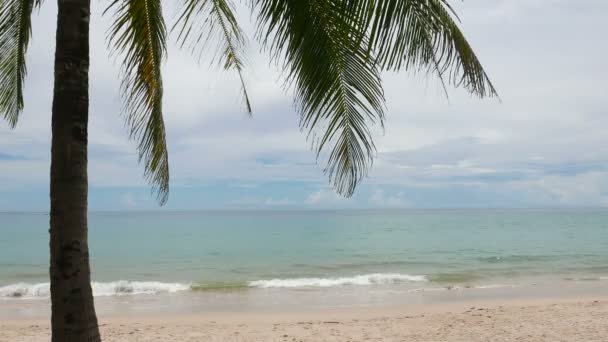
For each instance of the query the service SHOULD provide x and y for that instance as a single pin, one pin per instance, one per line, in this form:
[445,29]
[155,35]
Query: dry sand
[551,321]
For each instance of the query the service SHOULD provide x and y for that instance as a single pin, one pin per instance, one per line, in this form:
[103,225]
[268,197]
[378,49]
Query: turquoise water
[174,251]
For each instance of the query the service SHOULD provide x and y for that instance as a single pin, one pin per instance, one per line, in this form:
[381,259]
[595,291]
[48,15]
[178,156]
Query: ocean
[253,253]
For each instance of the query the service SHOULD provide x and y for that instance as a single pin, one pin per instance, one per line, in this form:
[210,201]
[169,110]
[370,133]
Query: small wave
[24,290]
[456,277]
[461,288]
[123,287]
[219,287]
[367,279]
[515,258]
[115,288]
[369,265]
[586,278]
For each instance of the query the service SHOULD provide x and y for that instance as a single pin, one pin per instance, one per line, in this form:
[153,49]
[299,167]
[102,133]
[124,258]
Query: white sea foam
[123,287]
[115,288]
[24,290]
[366,279]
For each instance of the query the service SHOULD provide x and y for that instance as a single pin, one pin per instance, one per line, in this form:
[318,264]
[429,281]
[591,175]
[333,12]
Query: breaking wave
[115,288]
[367,279]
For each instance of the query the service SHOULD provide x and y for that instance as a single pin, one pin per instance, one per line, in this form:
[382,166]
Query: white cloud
[587,189]
[127,200]
[277,202]
[245,185]
[245,201]
[380,199]
[327,197]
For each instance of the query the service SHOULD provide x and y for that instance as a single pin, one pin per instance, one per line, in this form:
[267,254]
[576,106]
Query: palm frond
[422,35]
[138,34]
[337,85]
[15,33]
[204,22]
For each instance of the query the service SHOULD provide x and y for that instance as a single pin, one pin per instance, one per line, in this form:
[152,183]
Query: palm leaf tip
[423,34]
[138,34]
[15,33]
[334,52]
[207,22]
[337,84]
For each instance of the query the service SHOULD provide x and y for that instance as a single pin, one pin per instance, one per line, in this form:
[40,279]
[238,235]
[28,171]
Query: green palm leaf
[422,35]
[337,86]
[203,22]
[139,35]
[15,32]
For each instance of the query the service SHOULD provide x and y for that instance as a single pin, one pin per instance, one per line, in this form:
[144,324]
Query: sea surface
[212,253]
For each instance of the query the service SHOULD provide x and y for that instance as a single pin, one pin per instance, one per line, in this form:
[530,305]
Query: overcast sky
[544,145]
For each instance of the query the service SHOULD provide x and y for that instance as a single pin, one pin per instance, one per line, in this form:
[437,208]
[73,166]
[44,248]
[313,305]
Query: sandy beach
[533,321]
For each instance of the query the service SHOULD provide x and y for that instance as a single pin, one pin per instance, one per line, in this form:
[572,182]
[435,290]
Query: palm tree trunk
[73,312]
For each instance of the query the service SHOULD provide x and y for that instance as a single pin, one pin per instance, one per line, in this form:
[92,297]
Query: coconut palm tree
[332,53]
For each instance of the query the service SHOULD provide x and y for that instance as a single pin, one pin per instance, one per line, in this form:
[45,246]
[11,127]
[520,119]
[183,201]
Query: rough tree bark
[73,312]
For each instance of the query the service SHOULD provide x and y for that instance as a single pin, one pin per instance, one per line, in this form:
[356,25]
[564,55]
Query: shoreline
[293,315]
[297,300]
[547,319]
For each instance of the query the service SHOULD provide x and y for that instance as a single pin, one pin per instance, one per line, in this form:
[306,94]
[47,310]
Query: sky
[543,145]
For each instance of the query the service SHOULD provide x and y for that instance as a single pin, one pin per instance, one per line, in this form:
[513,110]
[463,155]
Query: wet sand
[583,319]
